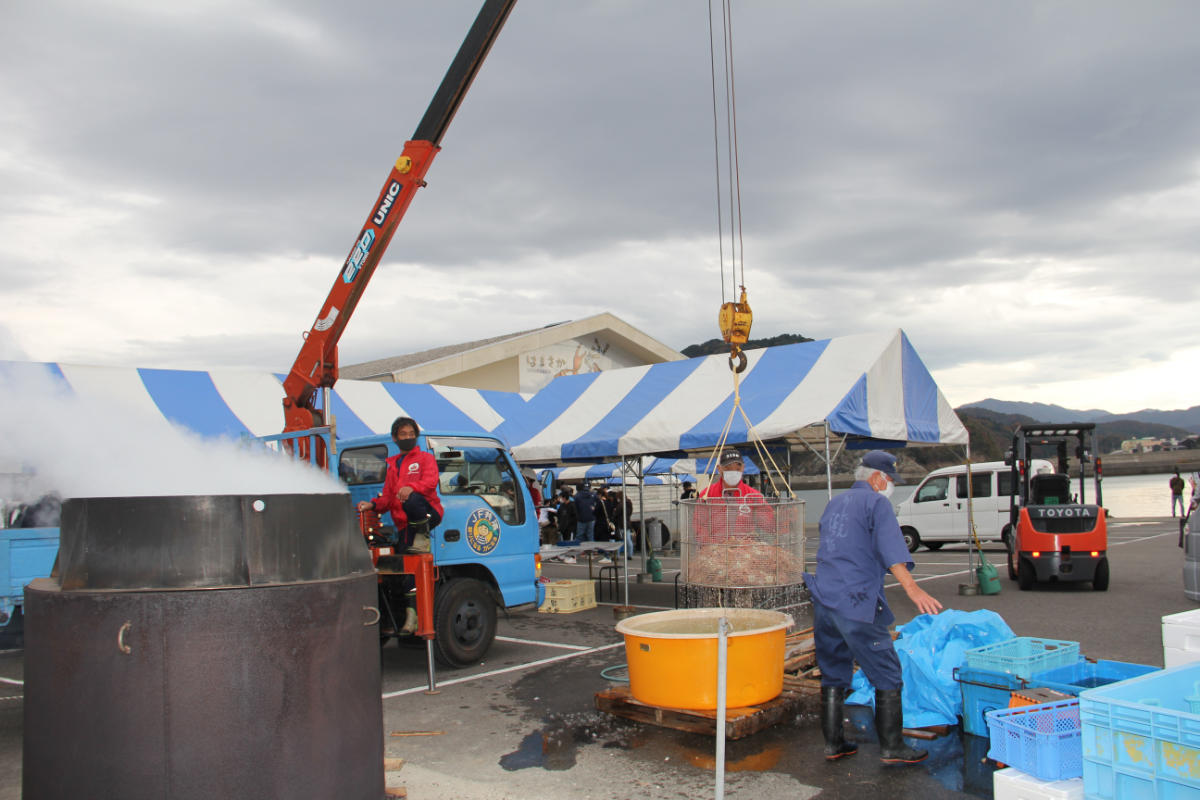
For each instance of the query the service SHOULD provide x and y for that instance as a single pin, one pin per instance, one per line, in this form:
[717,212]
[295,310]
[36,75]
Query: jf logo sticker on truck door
[483,531]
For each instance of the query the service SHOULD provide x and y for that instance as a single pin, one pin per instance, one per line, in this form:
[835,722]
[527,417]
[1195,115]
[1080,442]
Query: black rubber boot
[889,724]
[836,746]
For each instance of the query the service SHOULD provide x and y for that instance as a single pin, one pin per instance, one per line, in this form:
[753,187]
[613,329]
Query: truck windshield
[479,467]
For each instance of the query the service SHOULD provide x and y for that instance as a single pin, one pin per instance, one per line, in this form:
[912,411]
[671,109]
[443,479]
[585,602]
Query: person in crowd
[860,542]
[535,491]
[604,527]
[567,518]
[1177,486]
[410,494]
[689,492]
[585,514]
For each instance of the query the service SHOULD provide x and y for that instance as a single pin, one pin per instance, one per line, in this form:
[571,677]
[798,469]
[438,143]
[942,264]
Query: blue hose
[604,673]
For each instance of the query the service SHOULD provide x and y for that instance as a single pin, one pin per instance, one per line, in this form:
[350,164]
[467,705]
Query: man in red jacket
[410,494]
[736,509]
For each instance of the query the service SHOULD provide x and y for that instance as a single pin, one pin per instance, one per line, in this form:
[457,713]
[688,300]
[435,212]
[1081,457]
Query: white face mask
[888,488]
[732,477]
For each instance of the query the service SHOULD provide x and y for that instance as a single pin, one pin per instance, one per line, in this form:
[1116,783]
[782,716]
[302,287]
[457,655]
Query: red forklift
[1058,535]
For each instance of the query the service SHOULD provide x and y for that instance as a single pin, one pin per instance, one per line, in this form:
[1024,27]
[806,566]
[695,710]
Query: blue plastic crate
[1023,655]
[1081,675]
[1041,740]
[984,690]
[1141,738]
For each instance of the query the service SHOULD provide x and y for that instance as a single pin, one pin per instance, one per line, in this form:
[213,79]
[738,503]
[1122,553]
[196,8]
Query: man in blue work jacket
[860,543]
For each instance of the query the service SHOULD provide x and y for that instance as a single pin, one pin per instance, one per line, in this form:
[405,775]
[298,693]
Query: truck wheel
[1026,576]
[1012,561]
[1100,579]
[934,545]
[912,539]
[464,621]
[1007,537]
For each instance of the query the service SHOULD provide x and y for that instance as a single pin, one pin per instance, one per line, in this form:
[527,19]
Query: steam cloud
[54,441]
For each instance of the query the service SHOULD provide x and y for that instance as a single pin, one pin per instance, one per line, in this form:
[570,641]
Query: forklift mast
[316,366]
[1028,437]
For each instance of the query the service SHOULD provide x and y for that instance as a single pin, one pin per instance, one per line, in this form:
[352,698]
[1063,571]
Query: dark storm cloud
[894,159]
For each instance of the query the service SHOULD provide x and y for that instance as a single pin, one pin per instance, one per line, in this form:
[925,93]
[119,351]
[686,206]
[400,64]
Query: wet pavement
[523,724]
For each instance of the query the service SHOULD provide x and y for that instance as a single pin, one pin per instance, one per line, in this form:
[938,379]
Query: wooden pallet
[739,722]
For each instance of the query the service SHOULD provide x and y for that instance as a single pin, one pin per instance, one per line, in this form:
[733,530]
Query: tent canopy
[238,403]
[870,386]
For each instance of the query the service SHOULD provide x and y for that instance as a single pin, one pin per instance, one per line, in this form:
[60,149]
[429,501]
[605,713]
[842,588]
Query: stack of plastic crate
[1040,742]
[1181,638]
[993,671]
[1141,737]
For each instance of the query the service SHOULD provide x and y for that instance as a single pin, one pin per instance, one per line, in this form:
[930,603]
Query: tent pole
[624,528]
[642,514]
[828,465]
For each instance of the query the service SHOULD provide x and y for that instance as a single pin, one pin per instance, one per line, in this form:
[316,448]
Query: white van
[936,512]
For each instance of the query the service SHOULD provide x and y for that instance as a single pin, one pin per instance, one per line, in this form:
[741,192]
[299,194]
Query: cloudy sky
[1016,185]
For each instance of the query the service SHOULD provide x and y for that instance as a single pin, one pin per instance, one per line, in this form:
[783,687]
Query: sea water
[1125,497]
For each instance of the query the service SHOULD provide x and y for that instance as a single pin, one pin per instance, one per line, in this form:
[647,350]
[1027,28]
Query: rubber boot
[419,530]
[832,725]
[889,724]
[410,616]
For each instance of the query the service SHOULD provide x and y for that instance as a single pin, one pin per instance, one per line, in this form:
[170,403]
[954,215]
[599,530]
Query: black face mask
[406,444]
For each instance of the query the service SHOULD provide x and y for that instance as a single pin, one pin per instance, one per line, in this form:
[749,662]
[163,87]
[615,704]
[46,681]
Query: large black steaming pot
[203,647]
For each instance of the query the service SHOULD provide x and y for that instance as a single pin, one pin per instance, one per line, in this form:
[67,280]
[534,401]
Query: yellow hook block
[735,320]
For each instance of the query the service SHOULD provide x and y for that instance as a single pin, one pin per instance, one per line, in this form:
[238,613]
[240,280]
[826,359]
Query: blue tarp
[930,647]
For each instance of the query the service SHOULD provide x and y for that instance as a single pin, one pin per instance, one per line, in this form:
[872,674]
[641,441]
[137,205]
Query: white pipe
[625,530]
[722,647]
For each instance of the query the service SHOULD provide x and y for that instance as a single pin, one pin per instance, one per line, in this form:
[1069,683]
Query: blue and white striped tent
[236,403]
[871,386]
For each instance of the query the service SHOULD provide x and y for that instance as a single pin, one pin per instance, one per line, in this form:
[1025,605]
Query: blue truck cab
[486,547]
[25,554]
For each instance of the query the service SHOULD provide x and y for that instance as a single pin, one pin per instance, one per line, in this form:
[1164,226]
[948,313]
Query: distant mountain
[715,346]
[991,431]
[1038,412]
[1185,419]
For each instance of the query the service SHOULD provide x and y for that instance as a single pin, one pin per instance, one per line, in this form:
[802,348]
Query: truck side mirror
[1008,457]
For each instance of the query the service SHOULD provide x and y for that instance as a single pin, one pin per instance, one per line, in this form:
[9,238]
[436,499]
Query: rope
[754,438]
[712,61]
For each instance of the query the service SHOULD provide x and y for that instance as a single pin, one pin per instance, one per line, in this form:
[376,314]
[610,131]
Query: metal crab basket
[742,552]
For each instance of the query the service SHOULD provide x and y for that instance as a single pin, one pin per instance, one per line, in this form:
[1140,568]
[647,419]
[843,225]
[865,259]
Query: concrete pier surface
[523,724]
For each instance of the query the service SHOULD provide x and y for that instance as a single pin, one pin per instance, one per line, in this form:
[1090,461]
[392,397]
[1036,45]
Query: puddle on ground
[555,746]
[761,761]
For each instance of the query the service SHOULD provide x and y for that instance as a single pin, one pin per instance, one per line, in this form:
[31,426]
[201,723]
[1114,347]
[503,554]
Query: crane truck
[484,554]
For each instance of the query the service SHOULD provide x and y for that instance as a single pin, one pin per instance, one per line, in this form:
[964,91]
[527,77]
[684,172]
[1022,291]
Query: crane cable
[735,316]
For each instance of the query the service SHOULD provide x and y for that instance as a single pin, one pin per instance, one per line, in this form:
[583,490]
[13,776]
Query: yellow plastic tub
[672,656]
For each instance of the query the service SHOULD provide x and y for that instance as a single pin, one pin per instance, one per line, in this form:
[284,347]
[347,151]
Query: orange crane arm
[316,366]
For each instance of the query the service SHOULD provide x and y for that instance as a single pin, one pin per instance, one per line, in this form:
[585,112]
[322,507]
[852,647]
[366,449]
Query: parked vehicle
[936,511]
[1058,535]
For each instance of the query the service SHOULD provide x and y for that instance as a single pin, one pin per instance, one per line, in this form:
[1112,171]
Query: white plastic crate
[1012,784]
[568,596]
[1181,638]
